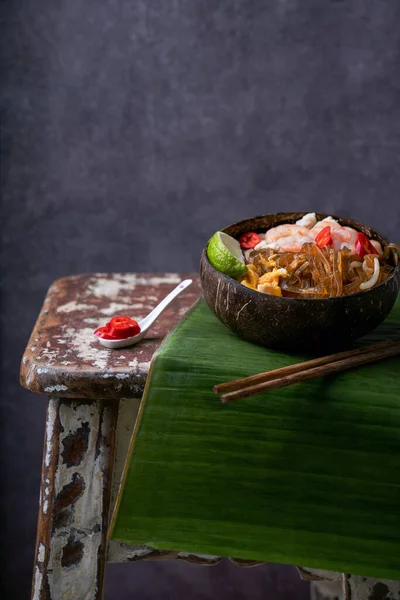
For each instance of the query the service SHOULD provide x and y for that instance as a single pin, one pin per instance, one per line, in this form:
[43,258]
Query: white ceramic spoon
[148,321]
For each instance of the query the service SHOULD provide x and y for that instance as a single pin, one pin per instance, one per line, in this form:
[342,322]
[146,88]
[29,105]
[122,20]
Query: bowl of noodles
[309,281]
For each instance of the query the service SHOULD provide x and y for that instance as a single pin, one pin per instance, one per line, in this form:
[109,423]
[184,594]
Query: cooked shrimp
[333,224]
[308,220]
[283,231]
[293,243]
[342,237]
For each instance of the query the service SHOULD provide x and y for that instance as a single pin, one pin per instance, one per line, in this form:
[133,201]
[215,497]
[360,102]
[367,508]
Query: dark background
[130,132]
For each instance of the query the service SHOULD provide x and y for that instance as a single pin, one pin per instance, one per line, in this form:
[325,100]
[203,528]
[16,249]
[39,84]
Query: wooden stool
[94,396]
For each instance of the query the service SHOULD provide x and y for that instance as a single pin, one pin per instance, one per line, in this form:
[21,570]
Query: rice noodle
[371,282]
[315,272]
[302,268]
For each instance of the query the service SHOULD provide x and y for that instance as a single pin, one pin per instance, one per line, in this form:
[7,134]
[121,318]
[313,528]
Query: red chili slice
[249,240]
[363,245]
[324,238]
[122,327]
[102,332]
[119,328]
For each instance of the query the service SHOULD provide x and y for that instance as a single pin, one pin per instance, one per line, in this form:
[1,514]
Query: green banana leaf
[305,475]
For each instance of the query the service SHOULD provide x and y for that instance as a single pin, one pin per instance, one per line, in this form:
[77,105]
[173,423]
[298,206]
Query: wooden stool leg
[74,499]
[329,585]
[367,588]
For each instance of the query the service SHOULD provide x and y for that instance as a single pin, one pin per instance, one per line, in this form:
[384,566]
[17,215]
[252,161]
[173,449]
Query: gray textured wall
[132,130]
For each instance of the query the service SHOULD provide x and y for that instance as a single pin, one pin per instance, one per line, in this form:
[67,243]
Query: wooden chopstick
[238,384]
[325,365]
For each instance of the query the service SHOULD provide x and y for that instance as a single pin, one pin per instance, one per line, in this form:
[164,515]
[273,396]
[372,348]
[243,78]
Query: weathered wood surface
[74,499]
[64,359]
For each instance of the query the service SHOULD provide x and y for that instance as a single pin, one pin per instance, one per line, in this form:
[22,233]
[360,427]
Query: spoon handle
[156,312]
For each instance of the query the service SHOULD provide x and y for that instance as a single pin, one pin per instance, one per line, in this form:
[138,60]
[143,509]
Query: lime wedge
[225,255]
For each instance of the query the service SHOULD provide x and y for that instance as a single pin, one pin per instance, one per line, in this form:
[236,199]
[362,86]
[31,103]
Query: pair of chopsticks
[310,369]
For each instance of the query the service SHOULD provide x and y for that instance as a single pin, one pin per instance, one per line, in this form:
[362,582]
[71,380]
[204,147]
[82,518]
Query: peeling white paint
[115,308]
[322,574]
[145,366]
[119,552]
[30,374]
[207,557]
[363,587]
[126,299]
[139,367]
[71,418]
[41,553]
[122,375]
[45,507]
[56,388]
[74,306]
[112,287]
[65,362]
[79,580]
[37,584]
[168,278]
[50,356]
[81,342]
[92,321]
[51,419]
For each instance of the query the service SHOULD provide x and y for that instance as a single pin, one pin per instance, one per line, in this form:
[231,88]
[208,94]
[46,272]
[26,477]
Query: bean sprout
[355,264]
[371,282]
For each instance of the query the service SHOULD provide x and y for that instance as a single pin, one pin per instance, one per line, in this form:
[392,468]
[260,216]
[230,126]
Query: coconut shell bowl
[297,324]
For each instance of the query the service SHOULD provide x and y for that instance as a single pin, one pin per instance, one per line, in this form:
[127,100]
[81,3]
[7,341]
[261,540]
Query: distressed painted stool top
[63,358]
